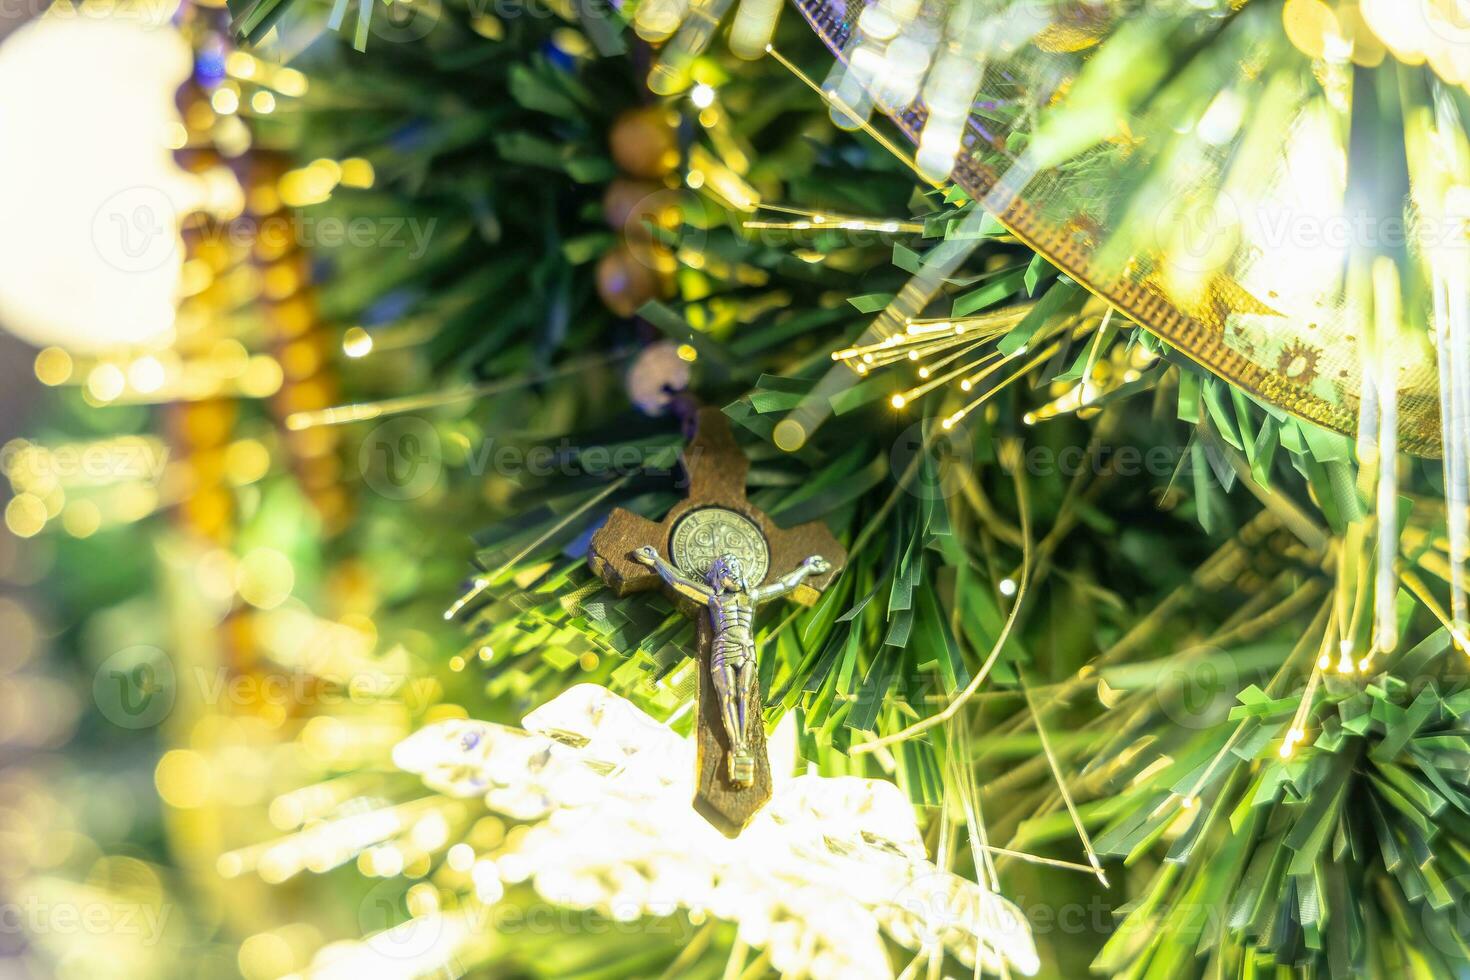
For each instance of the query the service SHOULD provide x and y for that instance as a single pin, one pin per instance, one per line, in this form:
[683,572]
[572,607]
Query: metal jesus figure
[731,605]
[717,556]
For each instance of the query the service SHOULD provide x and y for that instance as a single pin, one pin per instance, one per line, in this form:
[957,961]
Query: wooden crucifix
[721,551]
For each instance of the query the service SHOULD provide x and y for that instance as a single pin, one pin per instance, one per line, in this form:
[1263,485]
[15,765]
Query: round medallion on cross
[702,535]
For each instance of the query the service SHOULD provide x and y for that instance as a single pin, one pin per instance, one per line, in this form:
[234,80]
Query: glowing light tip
[357,342]
[789,435]
[898,401]
[1289,744]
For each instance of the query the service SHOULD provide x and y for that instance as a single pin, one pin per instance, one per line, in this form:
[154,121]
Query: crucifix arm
[684,585]
[815,565]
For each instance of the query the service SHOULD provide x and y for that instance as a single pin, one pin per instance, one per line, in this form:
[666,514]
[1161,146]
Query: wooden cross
[715,520]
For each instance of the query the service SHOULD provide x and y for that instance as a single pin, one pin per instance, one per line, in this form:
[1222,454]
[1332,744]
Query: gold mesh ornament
[1189,163]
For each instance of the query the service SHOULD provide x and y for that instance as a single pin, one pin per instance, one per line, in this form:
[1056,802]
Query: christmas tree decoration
[1351,793]
[87,144]
[642,143]
[657,377]
[815,879]
[625,282]
[1207,231]
[1197,233]
[625,206]
[723,556]
[1078,370]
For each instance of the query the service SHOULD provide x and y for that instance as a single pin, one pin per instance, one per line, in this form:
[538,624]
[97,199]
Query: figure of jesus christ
[731,605]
